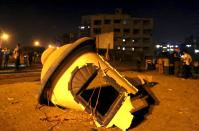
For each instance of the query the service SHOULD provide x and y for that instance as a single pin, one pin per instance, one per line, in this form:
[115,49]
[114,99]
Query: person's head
[177,49]
[18,44]
[185,51]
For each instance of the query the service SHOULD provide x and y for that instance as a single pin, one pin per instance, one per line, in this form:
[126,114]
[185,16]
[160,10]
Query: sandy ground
[178,109]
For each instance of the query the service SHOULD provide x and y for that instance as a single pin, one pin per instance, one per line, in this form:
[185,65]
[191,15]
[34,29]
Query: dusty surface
[178,109]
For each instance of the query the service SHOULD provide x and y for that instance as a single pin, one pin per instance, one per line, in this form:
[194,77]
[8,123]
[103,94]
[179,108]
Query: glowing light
[82,27]
[123,40]
[176,46]
[133,49]
[50,46]
[36,43]
[133,40]
[158,46]
[118,48]
[123,48]
[5,36]
[196,51]
[188,46]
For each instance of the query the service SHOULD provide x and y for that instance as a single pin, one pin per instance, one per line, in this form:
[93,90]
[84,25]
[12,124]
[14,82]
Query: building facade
[191,44]
[131,34]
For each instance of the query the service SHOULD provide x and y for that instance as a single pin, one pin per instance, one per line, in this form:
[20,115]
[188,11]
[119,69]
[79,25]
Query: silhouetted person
[176,61]
[187,59]
[30,57]
[6,57]
[17,53]
[138,63]
[1,57]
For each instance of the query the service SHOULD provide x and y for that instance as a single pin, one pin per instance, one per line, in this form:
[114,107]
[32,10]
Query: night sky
[28,20]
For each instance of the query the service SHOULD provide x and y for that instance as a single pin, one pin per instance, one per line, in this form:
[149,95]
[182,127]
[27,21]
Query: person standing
[1,57]
[30,57]
[176,56]
[6,58]
[17,53]
[187,59]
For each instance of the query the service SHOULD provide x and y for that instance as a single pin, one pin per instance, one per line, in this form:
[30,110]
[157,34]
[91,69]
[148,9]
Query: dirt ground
[178,109]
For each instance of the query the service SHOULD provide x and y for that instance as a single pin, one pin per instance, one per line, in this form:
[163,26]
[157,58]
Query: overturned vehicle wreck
[75,76]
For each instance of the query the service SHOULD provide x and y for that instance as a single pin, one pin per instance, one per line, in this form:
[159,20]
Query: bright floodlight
[36,43]
[196,51]
[50,46]
[5,36]
[158,46]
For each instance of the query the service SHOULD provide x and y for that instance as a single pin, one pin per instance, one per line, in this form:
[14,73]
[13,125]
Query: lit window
[196,51]
[157,46]
[82,27]
[188,46]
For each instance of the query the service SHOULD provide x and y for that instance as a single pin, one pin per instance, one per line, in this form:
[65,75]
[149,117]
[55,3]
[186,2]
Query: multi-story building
[191,44]
[131,34]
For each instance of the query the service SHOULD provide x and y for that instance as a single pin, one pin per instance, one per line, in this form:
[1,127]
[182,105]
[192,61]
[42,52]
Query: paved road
[28,74]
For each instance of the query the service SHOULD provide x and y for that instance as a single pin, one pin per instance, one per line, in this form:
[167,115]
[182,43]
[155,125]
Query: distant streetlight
[50,46]
[36,43]
[4,37]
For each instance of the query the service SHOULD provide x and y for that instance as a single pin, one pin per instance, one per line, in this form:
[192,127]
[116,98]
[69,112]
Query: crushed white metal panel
[58,56]
[74,76]
[46,54]
[123,117]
